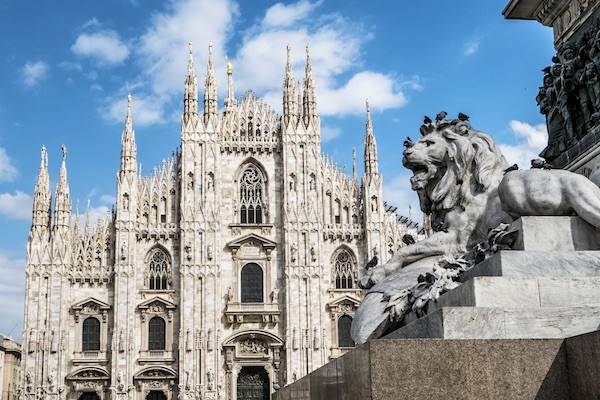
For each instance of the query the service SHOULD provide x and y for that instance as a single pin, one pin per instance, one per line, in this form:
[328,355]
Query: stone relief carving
[253,346]
[459,176]
[570,94]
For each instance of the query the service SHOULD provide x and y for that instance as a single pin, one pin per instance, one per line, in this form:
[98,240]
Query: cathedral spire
[62,210]
[370,146]
[210,89]
[309,101]
[190,96]
[354,173]
[230,98]
[42,196]
[128,147]
[290,107]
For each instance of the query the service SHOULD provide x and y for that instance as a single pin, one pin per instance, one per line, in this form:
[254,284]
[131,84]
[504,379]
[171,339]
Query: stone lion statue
[464,184]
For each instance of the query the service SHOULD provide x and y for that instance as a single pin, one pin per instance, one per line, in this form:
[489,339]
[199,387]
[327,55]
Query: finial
[44,161]
[128,102]
[307,54]
[64,152]
[210,50]
[229,67]
[191,47]
[368,107]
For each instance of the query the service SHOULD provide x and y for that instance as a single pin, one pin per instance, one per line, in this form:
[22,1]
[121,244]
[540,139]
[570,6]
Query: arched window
[344,270]
[251,284]
[156,334]
[344,338]
[90,337]
[251,192]
[158,271]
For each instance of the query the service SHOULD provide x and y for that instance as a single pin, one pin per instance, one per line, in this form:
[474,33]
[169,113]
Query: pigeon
[463,117]
[408,142]
[540,164]
[372,263]
[276,386]
[441,115]
[427,120]
[408,239]
[513,167]
[439,226]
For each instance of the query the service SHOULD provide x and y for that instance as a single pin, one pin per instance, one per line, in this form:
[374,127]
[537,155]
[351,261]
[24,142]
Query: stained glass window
[156,334]
[344,271]
[344,338]
[90,339]
[158,271]
[251,191]
[252,284]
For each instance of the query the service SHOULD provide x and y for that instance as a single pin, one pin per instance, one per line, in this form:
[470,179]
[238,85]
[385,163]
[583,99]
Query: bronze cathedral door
[253,384]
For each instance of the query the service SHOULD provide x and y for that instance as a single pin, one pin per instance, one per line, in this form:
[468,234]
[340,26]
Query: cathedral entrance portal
[253,384]
[156,395]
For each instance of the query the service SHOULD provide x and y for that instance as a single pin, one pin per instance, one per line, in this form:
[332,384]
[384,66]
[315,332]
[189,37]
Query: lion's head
[451,163]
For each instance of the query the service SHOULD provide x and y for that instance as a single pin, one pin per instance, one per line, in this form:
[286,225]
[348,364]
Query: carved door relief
[253,384]
[252,361]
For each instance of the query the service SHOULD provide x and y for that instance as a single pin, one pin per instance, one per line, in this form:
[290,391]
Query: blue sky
[67,67]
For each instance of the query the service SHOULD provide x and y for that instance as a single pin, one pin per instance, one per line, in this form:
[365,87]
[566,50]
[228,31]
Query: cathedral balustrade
[345,232]
[252,312]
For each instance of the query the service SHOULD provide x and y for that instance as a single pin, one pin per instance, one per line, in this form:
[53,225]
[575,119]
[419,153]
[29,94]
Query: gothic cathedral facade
[229,270]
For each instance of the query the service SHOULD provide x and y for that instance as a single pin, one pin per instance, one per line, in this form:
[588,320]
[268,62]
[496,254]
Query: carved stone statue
[458,173]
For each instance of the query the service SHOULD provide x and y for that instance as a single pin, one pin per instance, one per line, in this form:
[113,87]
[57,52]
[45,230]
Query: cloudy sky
[67,68]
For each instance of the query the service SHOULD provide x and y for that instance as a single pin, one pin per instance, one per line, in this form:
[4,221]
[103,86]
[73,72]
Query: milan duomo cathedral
[227,272]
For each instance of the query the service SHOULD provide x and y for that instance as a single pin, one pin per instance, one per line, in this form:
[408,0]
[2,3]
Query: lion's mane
[473,163]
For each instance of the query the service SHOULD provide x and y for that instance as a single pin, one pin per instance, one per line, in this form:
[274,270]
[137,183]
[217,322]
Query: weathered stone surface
[501,323]
[450,369]
[547,233]
[532,264]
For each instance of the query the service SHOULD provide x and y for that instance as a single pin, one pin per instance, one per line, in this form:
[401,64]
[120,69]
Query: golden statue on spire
[229,67]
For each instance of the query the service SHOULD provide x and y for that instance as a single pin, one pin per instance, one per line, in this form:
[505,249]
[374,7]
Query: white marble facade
[234,262]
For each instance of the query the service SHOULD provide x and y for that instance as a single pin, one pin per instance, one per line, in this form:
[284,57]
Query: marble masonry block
[501,323]
[533,264]
[556,234]
[505,292]
[425,369]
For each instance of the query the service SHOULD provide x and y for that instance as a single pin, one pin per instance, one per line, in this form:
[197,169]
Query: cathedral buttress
[125,259]
[372,195]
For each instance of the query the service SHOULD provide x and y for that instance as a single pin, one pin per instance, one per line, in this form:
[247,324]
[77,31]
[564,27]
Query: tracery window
[90,337]
[156,334]
[344,338]
[251,284]
[251,192]
[343,270]
[158,271]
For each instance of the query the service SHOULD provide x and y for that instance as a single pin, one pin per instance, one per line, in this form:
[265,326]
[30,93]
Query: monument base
[427,369]
[524,324]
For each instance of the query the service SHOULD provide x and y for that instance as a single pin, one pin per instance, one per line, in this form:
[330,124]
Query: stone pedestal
[517,327]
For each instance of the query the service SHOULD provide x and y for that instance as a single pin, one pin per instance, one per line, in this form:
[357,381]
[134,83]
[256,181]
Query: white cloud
[329,132]
[12,293]
[105,47]
[17,206]
[286,15]
[34,72]
[531,140]
[381,90]
[471,47]
[108,199]
[164,47]
[7,171]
